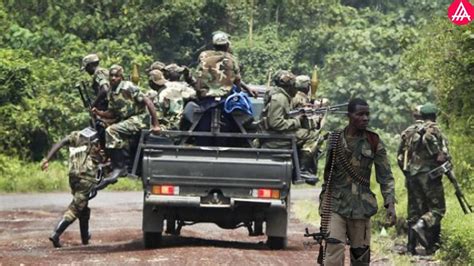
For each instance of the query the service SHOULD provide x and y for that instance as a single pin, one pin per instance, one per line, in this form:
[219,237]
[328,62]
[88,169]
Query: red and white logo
[461,12]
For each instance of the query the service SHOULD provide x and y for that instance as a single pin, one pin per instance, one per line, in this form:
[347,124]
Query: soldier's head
[156,65]
[428,112]
[221,41]
[286,80]
[90,63]
[303,83]
[358,113]
[417,112]
[173,72]
[115,75]
[156,79]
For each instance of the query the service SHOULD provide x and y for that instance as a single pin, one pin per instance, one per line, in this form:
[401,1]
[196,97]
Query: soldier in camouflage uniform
[156,65]
[352,201]
[275,119]
[100,80]
[173,72]
[169,98]
[425,148]
[84,156]
[128,105]
[301,99]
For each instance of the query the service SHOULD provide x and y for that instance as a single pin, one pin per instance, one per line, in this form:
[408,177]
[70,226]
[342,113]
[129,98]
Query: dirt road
[27,220]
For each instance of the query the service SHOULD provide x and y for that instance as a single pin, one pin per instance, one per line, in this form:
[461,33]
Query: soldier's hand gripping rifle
[86,101]
[447,169]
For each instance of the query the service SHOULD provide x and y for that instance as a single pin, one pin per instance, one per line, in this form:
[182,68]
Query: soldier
[156,65]
[349,202]
[422,149]
[128,105]
[169,98]
[301,99]
[275,118]
[173,72]
[84,156]
[100,80]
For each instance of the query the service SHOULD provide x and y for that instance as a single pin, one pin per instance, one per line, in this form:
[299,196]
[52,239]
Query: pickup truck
[230,186]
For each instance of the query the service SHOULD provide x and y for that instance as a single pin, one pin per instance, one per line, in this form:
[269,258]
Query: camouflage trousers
[116,135]
[80,190]
[425,199]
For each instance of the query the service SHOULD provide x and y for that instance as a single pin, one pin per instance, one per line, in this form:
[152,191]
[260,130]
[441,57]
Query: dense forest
[395,54]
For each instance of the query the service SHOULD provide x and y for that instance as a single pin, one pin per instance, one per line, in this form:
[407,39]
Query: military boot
[119,168]
[421,232]
[84,226]
[434,239]
[308,169]
[60,227]
[412,241]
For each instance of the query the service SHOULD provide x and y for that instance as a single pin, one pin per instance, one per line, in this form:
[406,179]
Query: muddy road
[26,221]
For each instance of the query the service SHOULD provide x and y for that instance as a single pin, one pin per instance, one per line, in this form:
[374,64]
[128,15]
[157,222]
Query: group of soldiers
[347,203]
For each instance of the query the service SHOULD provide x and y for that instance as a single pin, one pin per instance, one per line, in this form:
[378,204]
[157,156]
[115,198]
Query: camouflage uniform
[301,98]
[424,141]
[99,79]
[83,161]
[216,73]
[353,203]
[126,103]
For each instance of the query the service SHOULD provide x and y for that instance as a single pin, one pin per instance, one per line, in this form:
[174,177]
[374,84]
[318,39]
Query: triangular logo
[461,12]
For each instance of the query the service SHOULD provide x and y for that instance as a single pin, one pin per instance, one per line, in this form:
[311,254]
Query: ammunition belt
[347,167]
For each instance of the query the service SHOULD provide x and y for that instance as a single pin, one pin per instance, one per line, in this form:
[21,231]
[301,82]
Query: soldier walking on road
[347,203]
[84,157]
[422,149]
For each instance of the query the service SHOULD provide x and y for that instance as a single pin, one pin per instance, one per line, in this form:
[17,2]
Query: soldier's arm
[101,95]
[58,145]
[384,175]
[276,117]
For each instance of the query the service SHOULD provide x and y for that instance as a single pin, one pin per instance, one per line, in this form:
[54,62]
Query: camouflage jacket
[169,103]
[100,78]
[126,101]
[300,100]
[216,73]
[83,157]
[277,105]
[353,200]
[424,141]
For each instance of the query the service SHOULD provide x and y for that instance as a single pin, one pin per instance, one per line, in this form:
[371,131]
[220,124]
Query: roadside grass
[17,176]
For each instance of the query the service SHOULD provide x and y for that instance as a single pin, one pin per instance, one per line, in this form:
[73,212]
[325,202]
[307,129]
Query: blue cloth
[238,100]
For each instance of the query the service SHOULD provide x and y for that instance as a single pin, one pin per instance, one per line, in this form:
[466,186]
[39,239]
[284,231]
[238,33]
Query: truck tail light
[266,193]
[165,190]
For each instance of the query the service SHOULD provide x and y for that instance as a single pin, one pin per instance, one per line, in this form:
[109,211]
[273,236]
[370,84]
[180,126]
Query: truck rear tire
[152,239]
[276,242]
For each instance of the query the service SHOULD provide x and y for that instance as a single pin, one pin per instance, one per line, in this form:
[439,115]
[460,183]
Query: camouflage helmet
[284,78]
[117,68]
[157,77]
[220,38]
[156,65]
[173,68]
[302,82]
[90,58]
[428,109]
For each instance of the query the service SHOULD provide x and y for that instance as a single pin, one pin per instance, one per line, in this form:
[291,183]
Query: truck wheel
[276,242]
[152,239]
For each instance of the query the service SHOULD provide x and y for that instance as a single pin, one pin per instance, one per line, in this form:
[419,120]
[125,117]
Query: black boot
[84,226]
[119,168]
[434,239]
[420,229]
[308,169]
[62,225]
[360,256]
[412,241]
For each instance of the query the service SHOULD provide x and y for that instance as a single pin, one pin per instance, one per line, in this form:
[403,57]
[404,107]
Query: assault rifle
[86,101]
[319,238]
[313,117]
[447,169]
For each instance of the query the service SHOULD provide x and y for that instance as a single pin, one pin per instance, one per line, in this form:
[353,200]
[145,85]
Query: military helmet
[428,109]
[284,78]
[156,65]
[157,77]
[117,68]
[302,81]
[220,38]
[90,58]
[173,68]
[417,110]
